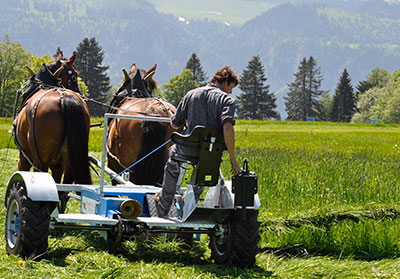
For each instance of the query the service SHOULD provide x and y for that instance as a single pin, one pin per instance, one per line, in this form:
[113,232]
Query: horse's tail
[151,170]
[77,137]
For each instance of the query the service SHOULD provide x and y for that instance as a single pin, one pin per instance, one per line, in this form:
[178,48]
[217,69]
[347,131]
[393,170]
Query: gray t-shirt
[208,106]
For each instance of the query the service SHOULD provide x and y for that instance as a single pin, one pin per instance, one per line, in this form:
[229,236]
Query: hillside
[357,35]
[227,12]
[336,38]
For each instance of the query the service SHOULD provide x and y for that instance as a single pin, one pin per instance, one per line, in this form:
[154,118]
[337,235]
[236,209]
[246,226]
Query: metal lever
[212,139]
[245,166]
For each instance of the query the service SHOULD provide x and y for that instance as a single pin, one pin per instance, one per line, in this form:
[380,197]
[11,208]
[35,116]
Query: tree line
[93,79]
[376,98]
[255,102]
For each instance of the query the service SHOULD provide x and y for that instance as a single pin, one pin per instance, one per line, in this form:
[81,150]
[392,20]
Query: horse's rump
[131,140]
[40,132]
[52,130]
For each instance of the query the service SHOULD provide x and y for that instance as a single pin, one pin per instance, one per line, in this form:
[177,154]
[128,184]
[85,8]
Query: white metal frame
[107,116]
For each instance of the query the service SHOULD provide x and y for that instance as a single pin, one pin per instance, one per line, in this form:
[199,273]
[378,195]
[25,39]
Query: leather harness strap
[115,157]
[35,151]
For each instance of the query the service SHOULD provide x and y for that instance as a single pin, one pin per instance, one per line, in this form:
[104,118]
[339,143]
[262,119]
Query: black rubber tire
[27,223]
[240,245]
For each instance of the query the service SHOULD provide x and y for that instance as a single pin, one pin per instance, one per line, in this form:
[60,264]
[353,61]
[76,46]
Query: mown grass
[329,195]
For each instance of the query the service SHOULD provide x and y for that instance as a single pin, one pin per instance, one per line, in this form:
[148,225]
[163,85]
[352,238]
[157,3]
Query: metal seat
[205,146]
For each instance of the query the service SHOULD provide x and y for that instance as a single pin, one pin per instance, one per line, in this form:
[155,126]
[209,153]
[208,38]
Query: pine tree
[304,94]
[295,100]
[363,86]
[343,106]
[193,64]
[335,108]
[89,61]
[256,102]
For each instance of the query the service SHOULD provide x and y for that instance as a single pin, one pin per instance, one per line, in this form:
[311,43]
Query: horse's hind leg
[62,205]
[56,172]
[23,164]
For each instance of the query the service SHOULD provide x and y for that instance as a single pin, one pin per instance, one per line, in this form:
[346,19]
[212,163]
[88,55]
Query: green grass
[310,170]
[5,137]
[329,195]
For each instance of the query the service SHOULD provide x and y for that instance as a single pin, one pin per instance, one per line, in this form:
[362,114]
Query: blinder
[71,73]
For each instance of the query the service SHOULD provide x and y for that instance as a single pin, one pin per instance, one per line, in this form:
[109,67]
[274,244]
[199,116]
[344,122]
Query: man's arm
[229,137]
[174,126]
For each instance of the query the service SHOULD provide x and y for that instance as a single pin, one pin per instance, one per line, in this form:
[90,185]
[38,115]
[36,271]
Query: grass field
[329,194]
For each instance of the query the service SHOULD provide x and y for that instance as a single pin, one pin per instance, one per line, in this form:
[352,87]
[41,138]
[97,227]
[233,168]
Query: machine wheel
[27,223]
[235,242]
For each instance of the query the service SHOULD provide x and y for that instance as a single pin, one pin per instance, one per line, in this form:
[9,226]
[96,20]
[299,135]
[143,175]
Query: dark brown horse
[52,128]
[130,140]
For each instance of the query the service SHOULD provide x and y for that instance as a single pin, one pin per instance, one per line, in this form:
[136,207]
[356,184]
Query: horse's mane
[151,84]
[157,109]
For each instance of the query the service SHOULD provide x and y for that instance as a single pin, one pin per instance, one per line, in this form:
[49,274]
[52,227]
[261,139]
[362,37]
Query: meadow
[330,209]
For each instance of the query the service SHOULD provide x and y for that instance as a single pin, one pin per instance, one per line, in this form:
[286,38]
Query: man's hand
[235,166]
[229,137]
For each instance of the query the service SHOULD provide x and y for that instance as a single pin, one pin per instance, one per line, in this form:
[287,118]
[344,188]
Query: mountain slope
[225,11]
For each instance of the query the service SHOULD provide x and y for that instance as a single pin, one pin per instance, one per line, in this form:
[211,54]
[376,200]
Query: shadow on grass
[57,257]
[153,250]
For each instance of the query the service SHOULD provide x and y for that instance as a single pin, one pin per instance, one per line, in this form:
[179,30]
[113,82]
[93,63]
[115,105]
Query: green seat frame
[206,146]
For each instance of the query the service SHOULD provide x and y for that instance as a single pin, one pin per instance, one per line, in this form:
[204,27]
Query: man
[209,106]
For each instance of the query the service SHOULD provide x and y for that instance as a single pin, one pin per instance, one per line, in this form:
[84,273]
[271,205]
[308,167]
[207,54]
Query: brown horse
[130,140]
[52,128]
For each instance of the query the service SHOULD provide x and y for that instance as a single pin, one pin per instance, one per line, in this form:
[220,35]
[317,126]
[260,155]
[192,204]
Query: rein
[160,100]
[138,161]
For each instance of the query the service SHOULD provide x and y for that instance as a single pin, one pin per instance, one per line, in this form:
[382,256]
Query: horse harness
[117,134]
[61,91]
[70,75]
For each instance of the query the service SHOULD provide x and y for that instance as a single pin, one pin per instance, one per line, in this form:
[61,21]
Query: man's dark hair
[225,73]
